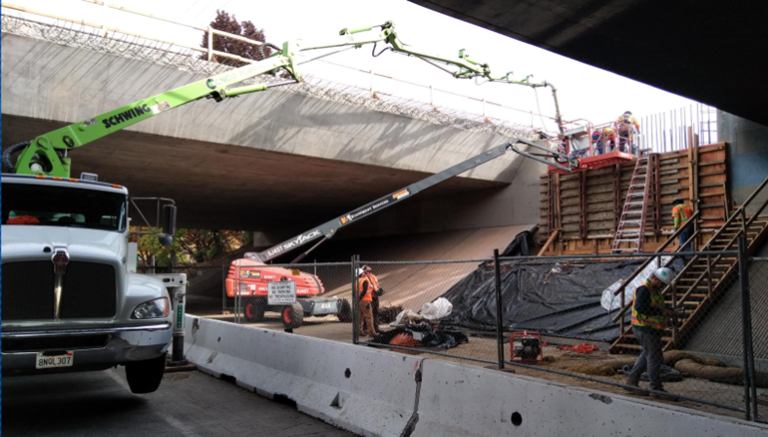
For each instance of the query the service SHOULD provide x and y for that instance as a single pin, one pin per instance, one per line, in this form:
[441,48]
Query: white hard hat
[359,272]
[664,275]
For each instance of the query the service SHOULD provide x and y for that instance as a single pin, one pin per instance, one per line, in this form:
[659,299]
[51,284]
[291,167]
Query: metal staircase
[630,234]
[697,287]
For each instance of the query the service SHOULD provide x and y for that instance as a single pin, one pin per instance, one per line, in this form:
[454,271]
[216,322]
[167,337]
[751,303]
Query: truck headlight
[152,309]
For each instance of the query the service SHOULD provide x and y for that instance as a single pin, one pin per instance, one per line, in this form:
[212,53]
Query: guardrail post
[355,303]
[499,309]
[237,296]
[224,288]
[709,276]
[621,309]
[745,327]
[674,308]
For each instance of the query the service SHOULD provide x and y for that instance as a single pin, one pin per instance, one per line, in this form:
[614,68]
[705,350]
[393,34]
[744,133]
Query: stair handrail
[739,212]
[659,250]
[624,306]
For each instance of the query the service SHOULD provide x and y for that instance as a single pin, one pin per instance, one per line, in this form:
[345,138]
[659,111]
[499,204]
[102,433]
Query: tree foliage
[228,23]
[191,246]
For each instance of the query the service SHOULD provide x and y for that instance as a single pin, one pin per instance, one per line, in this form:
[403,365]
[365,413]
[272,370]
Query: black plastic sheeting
[520,246]
[564,304]
[440,339]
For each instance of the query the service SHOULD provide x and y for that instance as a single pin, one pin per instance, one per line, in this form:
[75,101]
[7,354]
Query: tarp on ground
[565,302]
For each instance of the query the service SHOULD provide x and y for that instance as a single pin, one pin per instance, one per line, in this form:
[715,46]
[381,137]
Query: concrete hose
[7,164]
[270,45]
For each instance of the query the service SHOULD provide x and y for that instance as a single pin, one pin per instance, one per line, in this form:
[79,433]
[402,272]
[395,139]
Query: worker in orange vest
[649,321]
[365,296]
[377,292]
[680,216]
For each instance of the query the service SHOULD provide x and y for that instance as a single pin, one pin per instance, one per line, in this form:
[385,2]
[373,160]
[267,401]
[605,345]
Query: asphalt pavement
[187,404]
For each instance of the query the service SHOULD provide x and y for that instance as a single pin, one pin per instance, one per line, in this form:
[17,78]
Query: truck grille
[90,290]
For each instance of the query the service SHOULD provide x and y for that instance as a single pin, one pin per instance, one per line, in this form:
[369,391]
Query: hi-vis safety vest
[682,213]
[374,280]
[368,296]
[657,301]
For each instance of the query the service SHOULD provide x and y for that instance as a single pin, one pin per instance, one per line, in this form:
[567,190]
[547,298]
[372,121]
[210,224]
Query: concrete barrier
[380,393]
[458,400]
[366,391]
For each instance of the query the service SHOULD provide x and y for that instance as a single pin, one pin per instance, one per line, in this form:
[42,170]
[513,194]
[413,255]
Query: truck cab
[70,301]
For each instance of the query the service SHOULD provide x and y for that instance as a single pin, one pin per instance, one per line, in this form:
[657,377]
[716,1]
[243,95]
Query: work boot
[663,397]
[635,389]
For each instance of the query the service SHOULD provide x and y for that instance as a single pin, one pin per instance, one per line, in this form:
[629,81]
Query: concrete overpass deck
[281,159]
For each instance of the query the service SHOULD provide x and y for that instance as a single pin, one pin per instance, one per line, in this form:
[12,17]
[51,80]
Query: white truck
[70,301]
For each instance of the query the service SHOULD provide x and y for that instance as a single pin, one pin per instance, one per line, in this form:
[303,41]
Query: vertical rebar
[355,303]
[743,285]
[499,311]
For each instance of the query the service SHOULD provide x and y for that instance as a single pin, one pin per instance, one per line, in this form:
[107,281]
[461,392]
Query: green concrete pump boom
[47,154]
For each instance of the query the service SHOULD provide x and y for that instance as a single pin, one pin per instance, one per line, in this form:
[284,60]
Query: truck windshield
[44,205]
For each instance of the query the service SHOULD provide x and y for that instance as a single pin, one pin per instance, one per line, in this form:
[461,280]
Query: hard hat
[664,275]
[628,112]
[677,201]
[359,272]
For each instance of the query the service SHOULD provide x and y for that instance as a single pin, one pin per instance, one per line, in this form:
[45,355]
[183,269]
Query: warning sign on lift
[281,292]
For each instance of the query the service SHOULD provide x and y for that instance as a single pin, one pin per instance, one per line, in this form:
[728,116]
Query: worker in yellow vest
[680,215]
[365,296]
[377,292]
[649,321]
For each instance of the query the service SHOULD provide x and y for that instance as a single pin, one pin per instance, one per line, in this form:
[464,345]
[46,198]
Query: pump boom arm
[329,229]
[47,154]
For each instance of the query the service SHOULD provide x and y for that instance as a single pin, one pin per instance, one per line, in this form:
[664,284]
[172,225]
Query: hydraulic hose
[270,45]
[7,164]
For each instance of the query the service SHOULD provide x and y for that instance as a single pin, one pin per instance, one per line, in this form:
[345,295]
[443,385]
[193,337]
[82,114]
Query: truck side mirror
[169,219]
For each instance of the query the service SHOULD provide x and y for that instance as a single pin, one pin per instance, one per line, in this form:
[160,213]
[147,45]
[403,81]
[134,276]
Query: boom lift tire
[292,315]
[254,309]
[345,315]
[145,376]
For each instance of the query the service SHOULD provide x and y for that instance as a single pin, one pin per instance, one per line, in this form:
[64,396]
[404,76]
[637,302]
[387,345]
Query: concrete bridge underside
[272,161]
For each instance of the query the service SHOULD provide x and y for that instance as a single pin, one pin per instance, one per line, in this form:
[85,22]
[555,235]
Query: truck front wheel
[145,376]
[293,316]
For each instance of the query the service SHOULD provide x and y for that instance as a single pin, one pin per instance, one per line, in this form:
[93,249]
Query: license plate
[50,361]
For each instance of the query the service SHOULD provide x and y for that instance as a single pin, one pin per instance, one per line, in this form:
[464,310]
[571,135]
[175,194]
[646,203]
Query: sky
[584,92]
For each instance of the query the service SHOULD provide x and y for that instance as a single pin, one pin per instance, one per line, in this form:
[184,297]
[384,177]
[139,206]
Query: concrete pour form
[379,393]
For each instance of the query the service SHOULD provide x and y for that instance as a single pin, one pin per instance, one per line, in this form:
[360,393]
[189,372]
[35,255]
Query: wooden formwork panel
[587,208]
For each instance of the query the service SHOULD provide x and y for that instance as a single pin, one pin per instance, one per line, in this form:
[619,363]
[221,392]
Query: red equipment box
[526,347]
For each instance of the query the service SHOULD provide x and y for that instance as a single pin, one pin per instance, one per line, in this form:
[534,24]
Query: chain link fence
[758,296]
[561,318]
[557,318]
